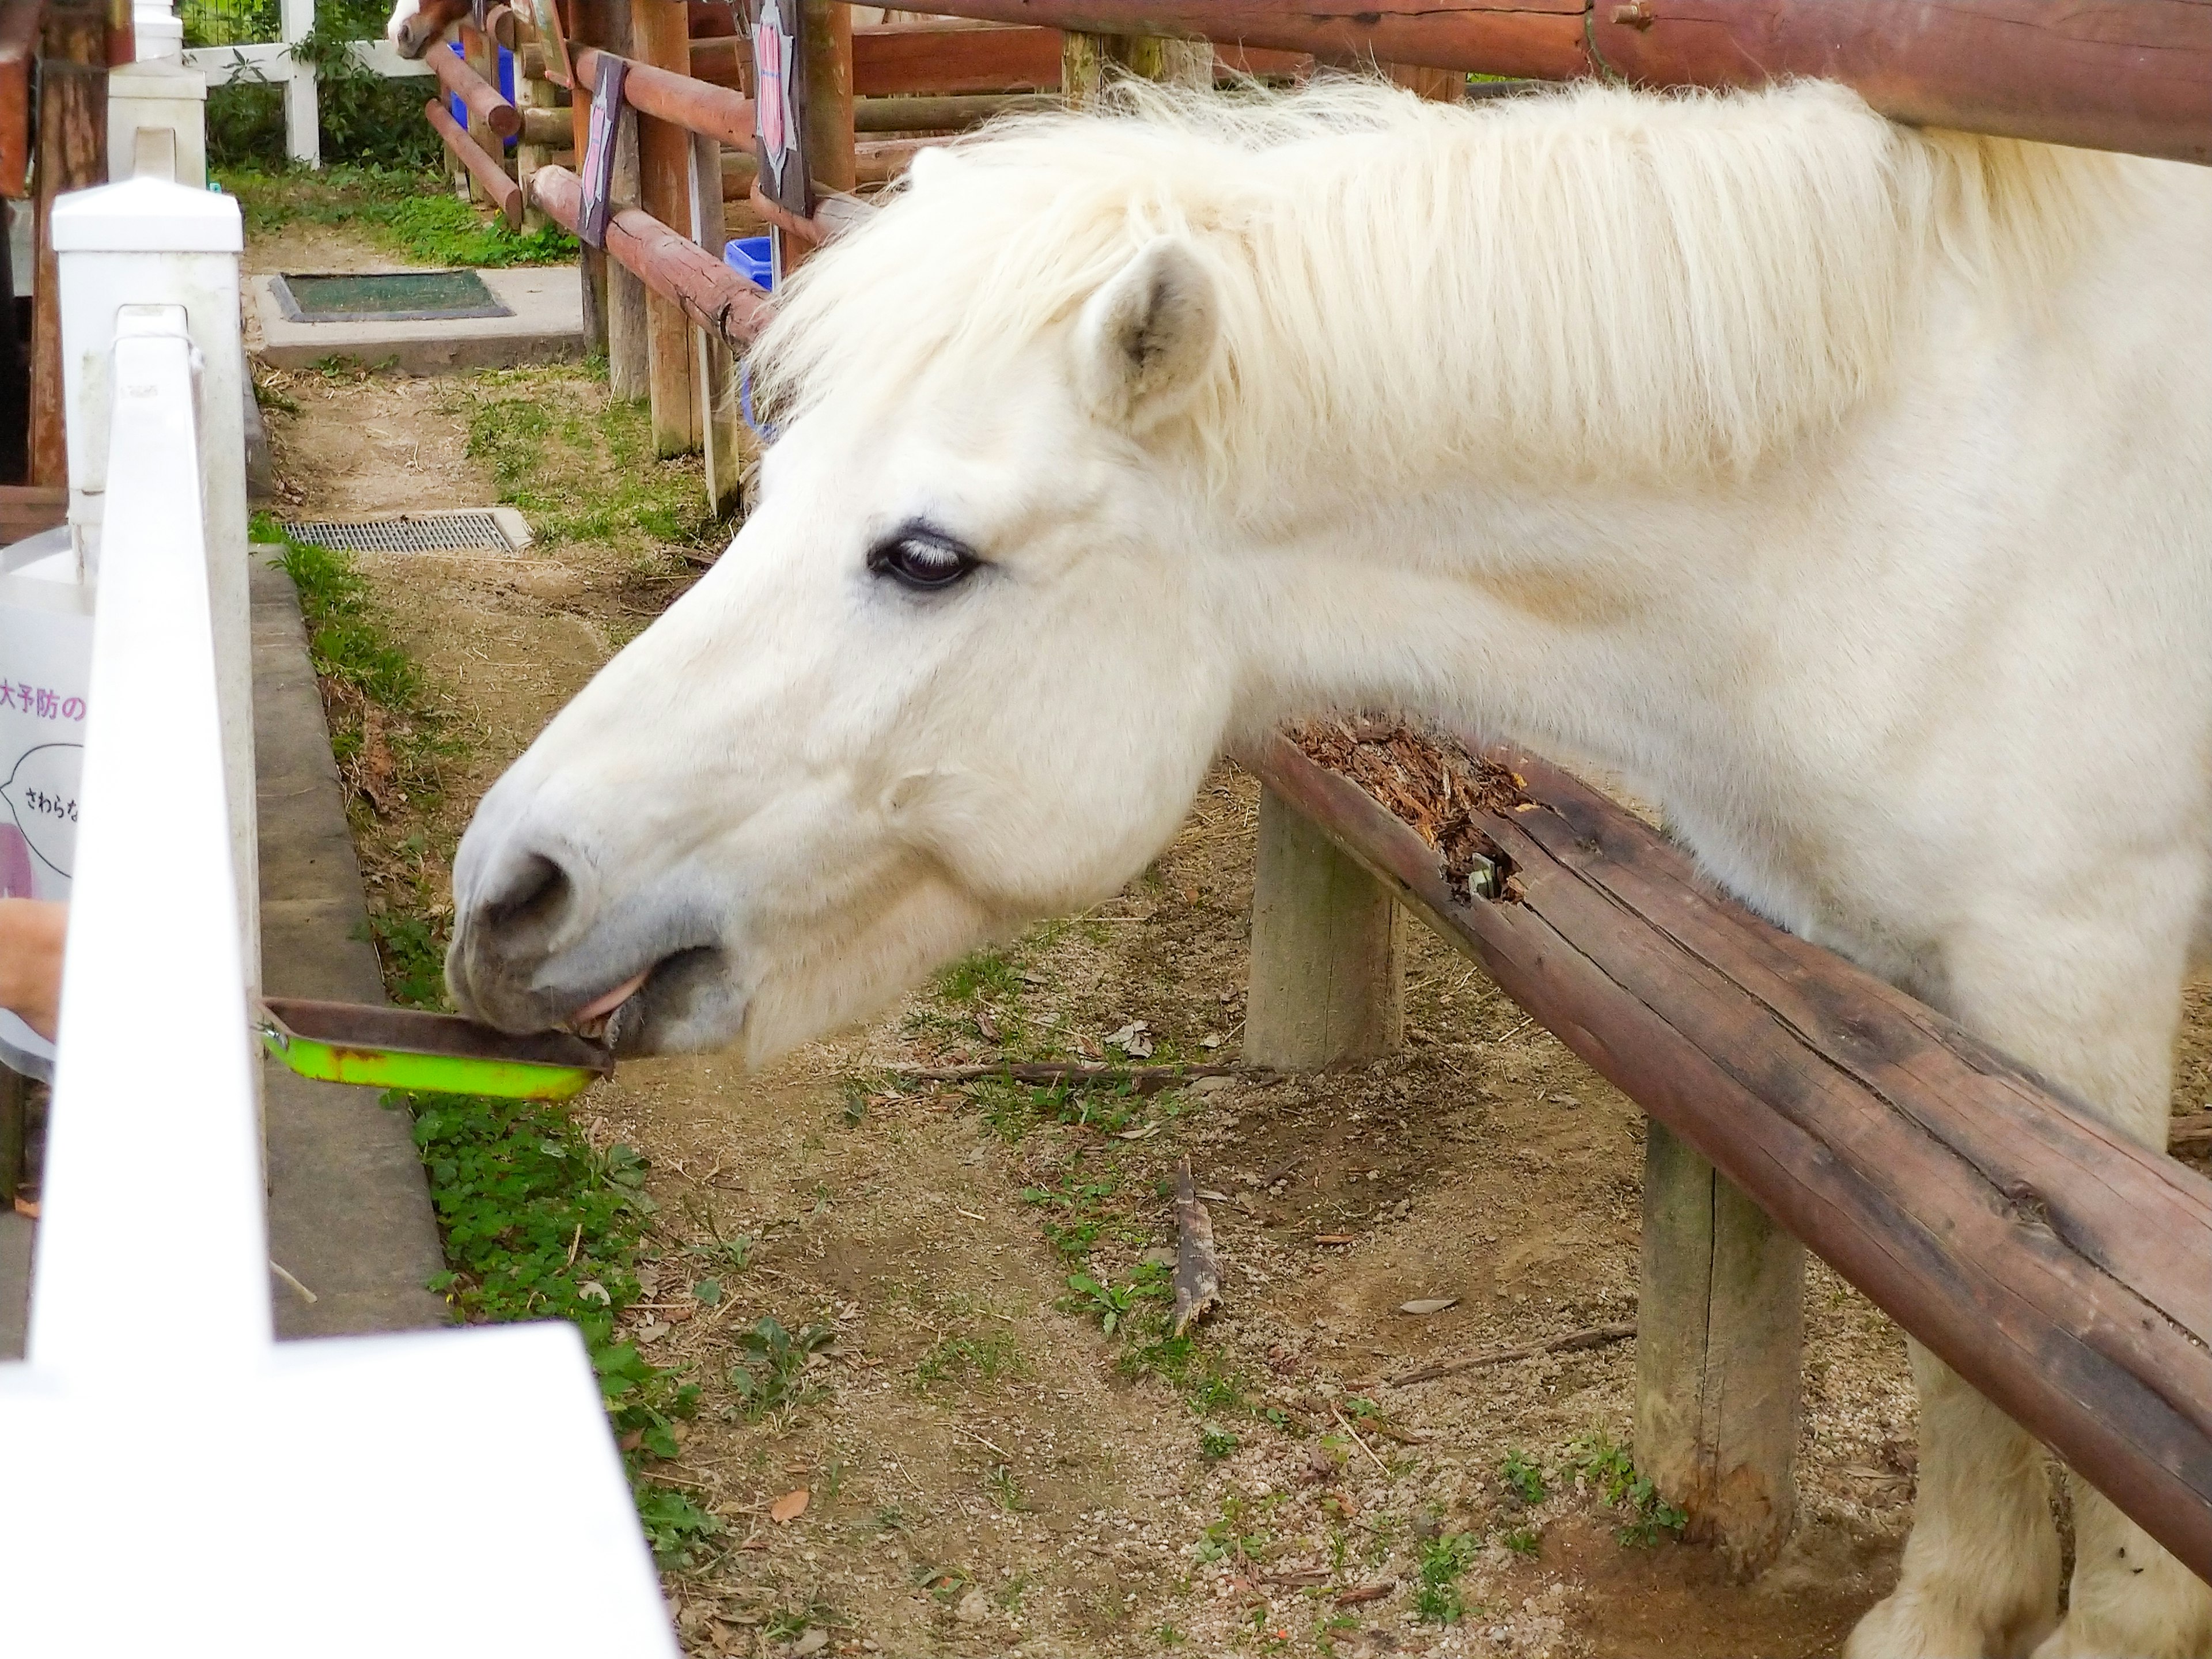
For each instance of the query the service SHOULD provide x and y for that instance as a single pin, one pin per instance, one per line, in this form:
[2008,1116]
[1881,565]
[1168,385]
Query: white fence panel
[450,1492]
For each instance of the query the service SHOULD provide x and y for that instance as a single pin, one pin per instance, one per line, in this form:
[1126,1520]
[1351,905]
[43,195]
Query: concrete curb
[349,1209]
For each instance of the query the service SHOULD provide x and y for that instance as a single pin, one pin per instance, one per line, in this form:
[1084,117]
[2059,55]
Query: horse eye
[922,559]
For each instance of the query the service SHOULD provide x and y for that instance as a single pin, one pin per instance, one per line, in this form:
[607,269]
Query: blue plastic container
[506,84]
[749,256]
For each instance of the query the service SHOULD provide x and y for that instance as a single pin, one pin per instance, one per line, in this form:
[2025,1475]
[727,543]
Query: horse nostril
[528,908]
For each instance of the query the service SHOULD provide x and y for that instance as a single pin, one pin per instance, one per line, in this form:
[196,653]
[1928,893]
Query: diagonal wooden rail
[2056,1267]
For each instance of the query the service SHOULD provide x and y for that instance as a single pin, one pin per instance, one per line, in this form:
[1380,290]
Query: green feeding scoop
[425,1054]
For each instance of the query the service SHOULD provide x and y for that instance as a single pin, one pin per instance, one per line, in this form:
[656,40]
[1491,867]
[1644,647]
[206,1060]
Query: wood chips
[1424,776]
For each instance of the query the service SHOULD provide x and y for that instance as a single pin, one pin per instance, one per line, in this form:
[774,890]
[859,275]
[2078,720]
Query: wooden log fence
[2053,1264]
[699,106]
[2042,1257]
[2135,77]
[670,264]
[502,191]
[480,97]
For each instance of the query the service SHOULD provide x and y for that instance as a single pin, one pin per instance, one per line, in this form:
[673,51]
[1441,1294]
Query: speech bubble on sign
[41,792]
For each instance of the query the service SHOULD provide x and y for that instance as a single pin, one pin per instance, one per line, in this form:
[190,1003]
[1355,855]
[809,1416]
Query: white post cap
[147,215]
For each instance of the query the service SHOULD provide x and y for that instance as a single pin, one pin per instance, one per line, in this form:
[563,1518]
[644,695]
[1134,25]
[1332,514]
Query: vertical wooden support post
[530,92]
[1720,1330]
[482,52]
[72,154]
[715,370]
[826,61]
[660,35]
[1089,63]
[620,296]
[1436,85]
[1328,976]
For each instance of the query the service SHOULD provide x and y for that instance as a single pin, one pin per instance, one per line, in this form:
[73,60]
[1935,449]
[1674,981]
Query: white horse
[1848,486]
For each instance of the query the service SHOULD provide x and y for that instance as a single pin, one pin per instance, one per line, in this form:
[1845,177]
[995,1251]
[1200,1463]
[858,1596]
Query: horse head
[951,674]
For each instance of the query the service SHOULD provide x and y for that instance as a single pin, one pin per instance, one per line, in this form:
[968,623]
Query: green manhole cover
[402,297]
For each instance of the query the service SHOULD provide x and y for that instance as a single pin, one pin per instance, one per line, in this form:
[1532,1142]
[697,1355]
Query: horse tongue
[596,1012]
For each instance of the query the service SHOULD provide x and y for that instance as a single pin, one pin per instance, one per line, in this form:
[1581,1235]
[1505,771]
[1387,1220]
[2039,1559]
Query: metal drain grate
[418,532]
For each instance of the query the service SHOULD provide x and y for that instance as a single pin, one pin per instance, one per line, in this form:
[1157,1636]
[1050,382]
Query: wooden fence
[2054,1266]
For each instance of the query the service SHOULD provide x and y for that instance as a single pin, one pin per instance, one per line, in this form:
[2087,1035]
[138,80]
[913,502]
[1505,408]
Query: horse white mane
[1615,283]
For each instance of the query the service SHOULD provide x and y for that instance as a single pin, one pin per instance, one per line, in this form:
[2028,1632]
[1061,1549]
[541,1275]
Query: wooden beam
[1540,38]
[487,109]
[697,106]
[670,265]
[903,58]
[2055,1265]
[2135,77]
[501,192]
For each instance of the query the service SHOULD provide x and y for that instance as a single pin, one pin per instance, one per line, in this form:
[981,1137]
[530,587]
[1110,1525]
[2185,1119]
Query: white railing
[175,1478]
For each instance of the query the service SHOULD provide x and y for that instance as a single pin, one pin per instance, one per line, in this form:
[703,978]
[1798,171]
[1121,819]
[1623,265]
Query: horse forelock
[1606,283]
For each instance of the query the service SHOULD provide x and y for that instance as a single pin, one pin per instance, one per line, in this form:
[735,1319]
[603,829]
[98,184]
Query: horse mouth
[625,1018]
[591,1021]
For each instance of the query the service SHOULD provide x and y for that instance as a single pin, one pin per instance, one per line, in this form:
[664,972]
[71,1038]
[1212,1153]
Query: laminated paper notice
[45,665]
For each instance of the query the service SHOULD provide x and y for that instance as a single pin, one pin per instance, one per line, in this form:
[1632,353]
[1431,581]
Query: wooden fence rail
[2136,77]
[2054,1265]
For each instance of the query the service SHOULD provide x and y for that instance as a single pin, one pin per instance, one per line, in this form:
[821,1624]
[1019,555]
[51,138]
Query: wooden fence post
[1720,1327]
[714,368]
[530,92]
[660,35]
[1088,64]
[826,112]
[1327,977]
[481,53]
[605,24]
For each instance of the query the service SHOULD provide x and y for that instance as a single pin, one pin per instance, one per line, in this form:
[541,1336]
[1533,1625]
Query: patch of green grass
[983,974]
[583,469]
[771,1375]
[388,737]
[408,211]
[1215,1443]
[538,1225]
[1524,1477]
[1522,1540]
[1436,1598]
[1612,1474]
[1236,1533]
[984,1359]
[347,638]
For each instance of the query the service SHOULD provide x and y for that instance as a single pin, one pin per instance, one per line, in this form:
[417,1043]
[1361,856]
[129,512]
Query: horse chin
[688,1002]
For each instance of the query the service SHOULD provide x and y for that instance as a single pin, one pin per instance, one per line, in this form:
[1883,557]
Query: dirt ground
[988,1472]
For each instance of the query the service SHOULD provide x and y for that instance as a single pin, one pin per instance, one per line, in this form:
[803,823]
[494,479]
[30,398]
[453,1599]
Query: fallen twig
[1198,1269]
[2190,1133]
[1342,1422]
[1590,1336]
[1147,1079]
[1360,1593]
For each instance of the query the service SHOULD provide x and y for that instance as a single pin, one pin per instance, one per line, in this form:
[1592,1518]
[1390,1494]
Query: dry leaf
[986,1025]
[788,1508]
[1428,1304]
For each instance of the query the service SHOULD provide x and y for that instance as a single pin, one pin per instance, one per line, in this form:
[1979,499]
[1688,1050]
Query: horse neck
[1590,619]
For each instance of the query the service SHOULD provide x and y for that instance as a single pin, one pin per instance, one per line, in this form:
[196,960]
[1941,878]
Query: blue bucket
[506,84]
[749,256]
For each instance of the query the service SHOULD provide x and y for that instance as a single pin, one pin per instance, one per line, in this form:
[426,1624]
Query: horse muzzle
[539,943]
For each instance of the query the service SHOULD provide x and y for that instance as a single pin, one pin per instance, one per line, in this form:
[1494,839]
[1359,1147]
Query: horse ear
[1146,339]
